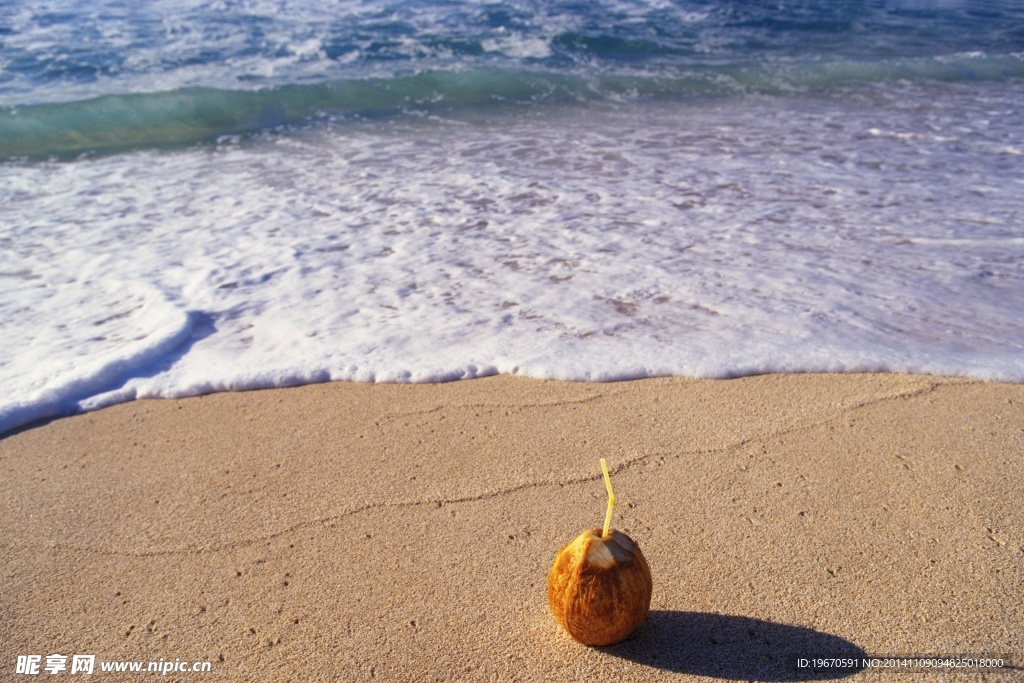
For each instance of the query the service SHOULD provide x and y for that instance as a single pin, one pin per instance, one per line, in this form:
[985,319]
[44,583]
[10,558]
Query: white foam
[712,240]
[518,46]
[79,338]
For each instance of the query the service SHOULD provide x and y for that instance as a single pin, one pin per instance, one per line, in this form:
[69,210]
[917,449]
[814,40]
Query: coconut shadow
[734,647]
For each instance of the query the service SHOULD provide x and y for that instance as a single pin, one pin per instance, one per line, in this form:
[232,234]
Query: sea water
[200,196]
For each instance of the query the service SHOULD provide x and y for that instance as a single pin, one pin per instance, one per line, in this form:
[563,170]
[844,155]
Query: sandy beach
[404,532]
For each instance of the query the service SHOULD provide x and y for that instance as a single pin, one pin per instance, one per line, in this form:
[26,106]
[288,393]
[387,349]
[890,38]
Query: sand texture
[405,532]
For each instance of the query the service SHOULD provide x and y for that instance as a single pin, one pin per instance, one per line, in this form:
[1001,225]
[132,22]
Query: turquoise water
[103,76]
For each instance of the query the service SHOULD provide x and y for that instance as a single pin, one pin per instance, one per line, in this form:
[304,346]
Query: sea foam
[714,239]
[199,196]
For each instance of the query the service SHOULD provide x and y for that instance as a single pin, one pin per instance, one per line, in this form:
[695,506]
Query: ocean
[212,195]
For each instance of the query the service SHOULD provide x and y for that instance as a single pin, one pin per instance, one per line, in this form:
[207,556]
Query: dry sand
[405,532]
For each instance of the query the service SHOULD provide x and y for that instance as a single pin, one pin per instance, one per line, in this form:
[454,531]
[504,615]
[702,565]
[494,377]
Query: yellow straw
[611,498]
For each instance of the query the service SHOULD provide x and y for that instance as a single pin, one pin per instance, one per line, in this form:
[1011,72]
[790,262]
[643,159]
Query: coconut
[599,588]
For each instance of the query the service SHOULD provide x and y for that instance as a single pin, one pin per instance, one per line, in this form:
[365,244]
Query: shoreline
[405,531]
